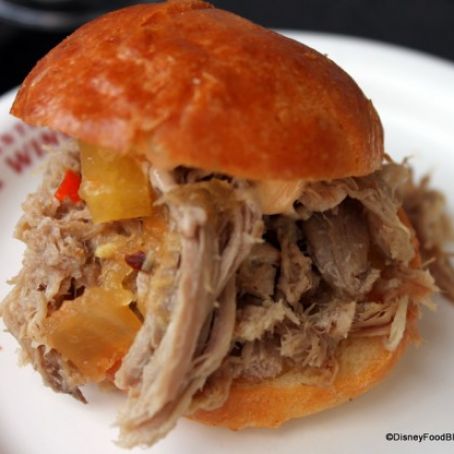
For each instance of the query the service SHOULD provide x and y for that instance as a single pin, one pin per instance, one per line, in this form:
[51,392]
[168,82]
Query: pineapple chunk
[114,187]
[94,331]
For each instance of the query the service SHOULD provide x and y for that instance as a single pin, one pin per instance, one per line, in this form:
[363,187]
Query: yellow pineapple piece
[113,186]
[94,331]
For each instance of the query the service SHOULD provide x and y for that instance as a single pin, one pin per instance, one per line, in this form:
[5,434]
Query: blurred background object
[28,29]
[54,14]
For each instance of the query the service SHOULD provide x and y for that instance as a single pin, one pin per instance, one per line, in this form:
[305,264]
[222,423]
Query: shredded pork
[232,294]
[217,229]
[426,210]
[339,242]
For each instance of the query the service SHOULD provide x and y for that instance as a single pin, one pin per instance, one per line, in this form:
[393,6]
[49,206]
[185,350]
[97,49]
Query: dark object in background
[426,25]
[55,14]
[29,28]
[419,24]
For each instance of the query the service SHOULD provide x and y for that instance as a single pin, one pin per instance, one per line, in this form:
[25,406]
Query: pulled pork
[217,229]
[235,294]
[425,208]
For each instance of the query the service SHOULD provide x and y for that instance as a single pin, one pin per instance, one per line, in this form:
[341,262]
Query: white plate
[414,94]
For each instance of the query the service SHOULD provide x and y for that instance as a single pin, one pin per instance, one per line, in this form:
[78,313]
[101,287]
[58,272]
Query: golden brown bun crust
[363,363]
[201,87]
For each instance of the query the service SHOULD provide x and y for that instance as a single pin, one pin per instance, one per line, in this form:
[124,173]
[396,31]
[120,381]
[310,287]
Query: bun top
[188,84]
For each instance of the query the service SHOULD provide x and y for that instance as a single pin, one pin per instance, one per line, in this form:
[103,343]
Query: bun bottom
[363,362]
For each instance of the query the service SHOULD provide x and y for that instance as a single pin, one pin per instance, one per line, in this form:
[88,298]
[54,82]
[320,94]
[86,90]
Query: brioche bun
[188,84]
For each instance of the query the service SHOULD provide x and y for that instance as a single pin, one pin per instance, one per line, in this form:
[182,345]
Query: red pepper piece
[69,187]
[135,261]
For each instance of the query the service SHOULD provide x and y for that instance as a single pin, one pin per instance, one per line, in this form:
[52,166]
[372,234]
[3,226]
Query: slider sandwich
[221,236]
